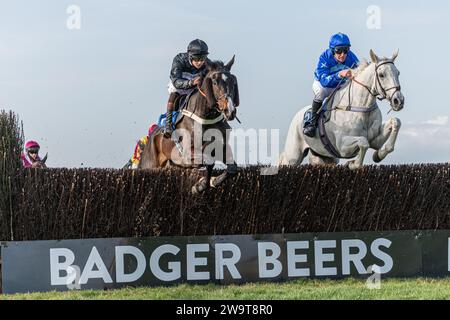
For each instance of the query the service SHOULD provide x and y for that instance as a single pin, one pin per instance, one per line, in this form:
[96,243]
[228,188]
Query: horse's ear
[45,158]
[209,66]
[395,55]
[374,57]
[230,63]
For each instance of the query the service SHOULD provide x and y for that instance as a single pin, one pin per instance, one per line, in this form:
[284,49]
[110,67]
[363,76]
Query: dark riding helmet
[197,48]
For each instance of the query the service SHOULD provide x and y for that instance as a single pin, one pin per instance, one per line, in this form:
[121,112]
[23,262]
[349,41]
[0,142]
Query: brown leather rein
[384,91]
[217,99]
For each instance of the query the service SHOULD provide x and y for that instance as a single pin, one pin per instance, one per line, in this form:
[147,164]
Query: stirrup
[168,131]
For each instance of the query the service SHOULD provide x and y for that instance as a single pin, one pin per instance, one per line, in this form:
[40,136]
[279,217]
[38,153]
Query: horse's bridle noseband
[378,82]
[217,100]
[226,94]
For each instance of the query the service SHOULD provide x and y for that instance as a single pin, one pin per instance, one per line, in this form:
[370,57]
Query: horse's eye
[381,75]
[214,82]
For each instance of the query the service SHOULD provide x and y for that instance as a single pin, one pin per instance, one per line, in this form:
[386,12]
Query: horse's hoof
[351,165]
[212,182]
[376,158]
[195,190]
[217,181]
[199,187]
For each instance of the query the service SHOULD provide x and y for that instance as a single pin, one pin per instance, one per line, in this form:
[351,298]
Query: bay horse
[201,132]
[40,163]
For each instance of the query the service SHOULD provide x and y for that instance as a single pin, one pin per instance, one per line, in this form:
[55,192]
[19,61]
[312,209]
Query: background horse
[356,122]
[204,118]
[40,164]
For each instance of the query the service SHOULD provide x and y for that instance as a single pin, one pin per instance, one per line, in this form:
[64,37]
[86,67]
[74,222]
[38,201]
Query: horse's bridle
[226,73]
[226,94]
[378,82]
[217,100]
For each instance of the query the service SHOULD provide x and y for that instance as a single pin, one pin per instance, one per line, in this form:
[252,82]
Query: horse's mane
[363,64]
[215,65]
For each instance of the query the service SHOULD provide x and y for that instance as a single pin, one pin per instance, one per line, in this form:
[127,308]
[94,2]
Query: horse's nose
[231,110]
[230,115]
[398,102]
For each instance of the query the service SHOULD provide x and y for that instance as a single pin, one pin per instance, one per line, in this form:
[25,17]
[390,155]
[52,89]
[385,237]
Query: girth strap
[326,141]
[201,120]
[357,109]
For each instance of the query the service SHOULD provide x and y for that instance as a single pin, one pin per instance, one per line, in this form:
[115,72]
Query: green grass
[351,289]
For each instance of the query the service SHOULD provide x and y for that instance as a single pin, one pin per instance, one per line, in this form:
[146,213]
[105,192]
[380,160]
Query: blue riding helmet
[339,40]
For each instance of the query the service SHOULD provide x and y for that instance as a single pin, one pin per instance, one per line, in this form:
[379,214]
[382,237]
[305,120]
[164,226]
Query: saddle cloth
[324,112]
[180,104]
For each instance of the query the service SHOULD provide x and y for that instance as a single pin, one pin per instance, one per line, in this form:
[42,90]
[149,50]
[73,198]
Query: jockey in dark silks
[187,70]
[333,70]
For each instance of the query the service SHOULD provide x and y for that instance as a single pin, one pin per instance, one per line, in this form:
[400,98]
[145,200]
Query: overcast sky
[87,95]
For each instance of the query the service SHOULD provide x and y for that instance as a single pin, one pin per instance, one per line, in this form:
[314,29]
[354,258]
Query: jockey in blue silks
[333,70]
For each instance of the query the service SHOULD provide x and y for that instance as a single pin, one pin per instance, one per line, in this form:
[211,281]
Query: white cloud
[438,121]
[430,132]
[427,141]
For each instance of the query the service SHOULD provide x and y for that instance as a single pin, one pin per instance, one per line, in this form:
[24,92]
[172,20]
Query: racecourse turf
[348,289]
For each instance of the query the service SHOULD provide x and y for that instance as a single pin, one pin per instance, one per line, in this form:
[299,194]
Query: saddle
[162,119]
[321,128]
[324,113]
[324,117]
[179,104]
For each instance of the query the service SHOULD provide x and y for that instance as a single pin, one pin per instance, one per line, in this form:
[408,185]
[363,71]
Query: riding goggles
[198,58]
[33,150]
[339,50]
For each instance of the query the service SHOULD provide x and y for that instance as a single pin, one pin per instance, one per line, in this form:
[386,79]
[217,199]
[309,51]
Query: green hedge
[64,204]
[40,204]
[11,145]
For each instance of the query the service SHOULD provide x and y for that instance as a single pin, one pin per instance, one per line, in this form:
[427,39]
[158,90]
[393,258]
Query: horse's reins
[335,90]
[384,91]
[218,99]
[201,91]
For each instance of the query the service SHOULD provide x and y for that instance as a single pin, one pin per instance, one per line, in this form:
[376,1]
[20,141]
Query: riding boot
[310,128]
[168,127]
